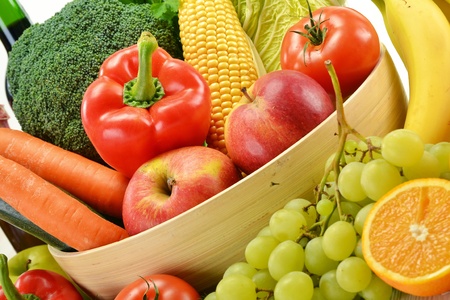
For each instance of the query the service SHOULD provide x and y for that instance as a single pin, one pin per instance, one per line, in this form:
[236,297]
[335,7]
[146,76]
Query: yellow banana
[444,5]
[420,32]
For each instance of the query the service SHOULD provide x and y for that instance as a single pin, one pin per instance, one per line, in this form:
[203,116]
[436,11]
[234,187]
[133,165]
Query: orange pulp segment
[406,237]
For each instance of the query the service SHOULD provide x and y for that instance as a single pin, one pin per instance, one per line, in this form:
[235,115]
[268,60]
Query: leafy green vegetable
[266,22]
[248,13]
[166,10]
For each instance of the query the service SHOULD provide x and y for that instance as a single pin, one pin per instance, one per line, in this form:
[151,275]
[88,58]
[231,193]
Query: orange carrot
[98,186]
[53,210]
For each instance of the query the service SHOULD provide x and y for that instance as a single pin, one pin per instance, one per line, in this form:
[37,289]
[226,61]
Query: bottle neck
[13,21]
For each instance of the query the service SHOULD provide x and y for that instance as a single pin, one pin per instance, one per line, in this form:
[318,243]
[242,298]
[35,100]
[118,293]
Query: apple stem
[246,94]
[170,183]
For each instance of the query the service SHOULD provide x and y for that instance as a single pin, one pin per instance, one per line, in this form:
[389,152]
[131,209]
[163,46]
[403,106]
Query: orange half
[406,237]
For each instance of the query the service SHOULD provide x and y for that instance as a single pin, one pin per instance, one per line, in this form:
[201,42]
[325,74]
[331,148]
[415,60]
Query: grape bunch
[311,248]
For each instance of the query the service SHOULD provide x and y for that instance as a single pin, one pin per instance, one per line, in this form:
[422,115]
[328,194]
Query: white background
[40,10]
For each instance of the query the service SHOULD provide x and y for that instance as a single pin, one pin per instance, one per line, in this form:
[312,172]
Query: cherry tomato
[336,33]
[169,288]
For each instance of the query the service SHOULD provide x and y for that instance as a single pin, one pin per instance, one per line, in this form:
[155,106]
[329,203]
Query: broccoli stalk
[51,65]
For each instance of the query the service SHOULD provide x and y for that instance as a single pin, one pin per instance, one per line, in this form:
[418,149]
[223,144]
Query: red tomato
[169,288]
[350,42]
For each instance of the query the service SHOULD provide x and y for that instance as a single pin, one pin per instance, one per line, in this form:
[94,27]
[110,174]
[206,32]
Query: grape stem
[344,130]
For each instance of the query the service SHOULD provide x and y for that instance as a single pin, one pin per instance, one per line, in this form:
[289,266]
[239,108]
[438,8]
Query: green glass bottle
[13,22]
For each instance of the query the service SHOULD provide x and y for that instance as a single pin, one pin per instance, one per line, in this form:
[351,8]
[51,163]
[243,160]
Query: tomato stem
[144,90]
[148,288]
[314,33]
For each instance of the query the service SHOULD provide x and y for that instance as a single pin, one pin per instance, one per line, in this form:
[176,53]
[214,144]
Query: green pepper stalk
[144,90]
[6,283]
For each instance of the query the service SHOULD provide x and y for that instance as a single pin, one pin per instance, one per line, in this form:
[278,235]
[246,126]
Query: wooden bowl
[201,243]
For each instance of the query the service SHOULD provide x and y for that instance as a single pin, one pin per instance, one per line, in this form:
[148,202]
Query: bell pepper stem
[6,283]
[144,90]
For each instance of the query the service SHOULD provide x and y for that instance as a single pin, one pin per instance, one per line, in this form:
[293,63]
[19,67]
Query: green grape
[358,249]
[242,268]
[349,182]
[287,257]
[442,152]
[375,140]
[287,224]
[362,146]
[339,240]
[427,167]
[376,290]
[351,151]
[316,262]
[324,207]
[349,209]
[264,281]
[378,177]
[360,218]
[353,274]
[236,287]
[330,288]
[265,231]
[295,285]
[304,207]
[350,146]
[317,295]
[258,250]
[211,296]
[331,176]
[303,241]
[402,147]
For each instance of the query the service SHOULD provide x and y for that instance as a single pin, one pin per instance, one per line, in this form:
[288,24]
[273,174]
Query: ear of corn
[215,44]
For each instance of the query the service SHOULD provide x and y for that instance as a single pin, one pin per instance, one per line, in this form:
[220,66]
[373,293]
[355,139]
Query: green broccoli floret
[52,64]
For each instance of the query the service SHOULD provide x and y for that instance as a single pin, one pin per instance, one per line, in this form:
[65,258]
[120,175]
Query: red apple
[174,182]
[280,108]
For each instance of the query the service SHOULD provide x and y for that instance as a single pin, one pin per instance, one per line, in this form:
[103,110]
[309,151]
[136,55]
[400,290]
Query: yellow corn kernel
[215,44]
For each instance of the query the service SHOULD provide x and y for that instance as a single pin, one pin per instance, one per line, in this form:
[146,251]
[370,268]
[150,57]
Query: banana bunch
[420,32]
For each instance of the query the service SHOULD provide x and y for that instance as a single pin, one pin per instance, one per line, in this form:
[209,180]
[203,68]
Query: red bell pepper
[35,285]
[144,103]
